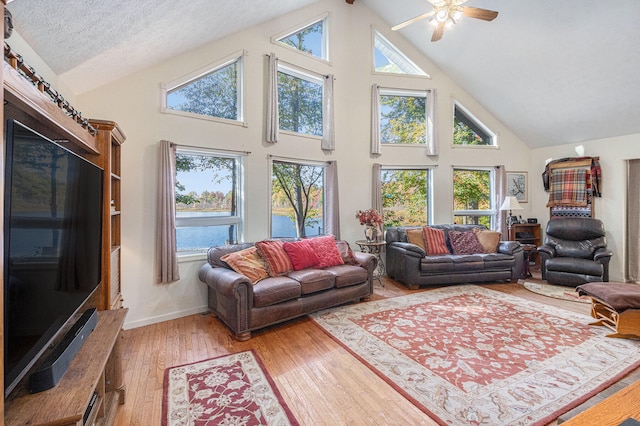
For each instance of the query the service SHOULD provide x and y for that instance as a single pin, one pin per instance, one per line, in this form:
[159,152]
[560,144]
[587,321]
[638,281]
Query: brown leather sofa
[245,307]
[410,264]
[574,252]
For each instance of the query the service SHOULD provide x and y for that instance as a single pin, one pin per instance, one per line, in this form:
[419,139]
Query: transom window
[300,100]
[297,199]
[389,59]
[311,39]
[208,200]
[467,130]
[405,196]
[403,116]
[473,191]
[215,92]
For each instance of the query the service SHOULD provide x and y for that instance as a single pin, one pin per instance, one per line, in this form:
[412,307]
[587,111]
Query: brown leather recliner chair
[574,252]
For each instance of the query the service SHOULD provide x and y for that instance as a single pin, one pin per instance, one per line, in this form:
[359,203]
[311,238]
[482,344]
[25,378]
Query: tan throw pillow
[248,263]
[488,239]
[414,236]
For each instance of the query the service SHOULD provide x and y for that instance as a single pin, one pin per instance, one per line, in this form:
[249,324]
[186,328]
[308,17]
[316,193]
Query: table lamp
[510,203]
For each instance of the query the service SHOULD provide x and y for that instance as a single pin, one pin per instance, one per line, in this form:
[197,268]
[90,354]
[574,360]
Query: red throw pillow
[274,255]
[434,240]
[465,242]
[301,254]
[326,250]
[248,263]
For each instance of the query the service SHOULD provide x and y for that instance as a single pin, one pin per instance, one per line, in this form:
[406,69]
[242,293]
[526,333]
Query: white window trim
[237,219]
[375,34]
[165,88]
[325,18]
[494,135]
[386,91]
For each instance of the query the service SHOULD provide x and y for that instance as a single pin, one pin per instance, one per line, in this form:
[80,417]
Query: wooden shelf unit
[96,368]
[527,233]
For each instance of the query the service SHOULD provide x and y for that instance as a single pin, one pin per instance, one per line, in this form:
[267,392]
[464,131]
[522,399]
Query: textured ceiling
[553,71]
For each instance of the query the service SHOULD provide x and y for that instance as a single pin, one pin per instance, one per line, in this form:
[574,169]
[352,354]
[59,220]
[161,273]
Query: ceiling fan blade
[478,13]
[412,20]
[438,32]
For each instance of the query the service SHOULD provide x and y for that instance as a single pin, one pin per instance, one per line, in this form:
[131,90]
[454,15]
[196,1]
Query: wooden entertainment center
[92,388]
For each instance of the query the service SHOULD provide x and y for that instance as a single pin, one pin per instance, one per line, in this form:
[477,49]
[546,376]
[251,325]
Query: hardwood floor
[321,382]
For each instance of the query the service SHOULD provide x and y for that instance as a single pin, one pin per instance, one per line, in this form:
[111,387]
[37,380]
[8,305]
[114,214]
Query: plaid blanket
[568,188]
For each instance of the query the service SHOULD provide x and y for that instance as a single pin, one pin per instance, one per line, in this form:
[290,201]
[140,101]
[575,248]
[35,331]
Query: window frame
[237,219]
[475,125]
[429,211]
[308,76]
[236,57]
[492,189]
[378,37]
[425,93]
[324,18]
[302,163]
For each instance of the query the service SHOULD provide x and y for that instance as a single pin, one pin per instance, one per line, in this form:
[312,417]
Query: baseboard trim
[165,317]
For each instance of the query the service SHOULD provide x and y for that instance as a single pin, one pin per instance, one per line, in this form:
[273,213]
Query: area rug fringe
[548,384]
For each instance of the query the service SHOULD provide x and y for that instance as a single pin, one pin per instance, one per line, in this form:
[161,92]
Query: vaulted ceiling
[554,72]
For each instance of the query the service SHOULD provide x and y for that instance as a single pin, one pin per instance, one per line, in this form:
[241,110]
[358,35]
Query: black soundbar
[57,362]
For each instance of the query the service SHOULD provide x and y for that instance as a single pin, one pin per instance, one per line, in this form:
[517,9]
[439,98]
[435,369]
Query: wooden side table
[375,248]
[529,255]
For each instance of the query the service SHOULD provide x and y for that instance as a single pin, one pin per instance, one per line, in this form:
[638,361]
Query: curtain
[376,192]
[332,207]
[432,139]
[273,125]
[376,147]
[633,222]
[328,122]
[166,256]
[500,193]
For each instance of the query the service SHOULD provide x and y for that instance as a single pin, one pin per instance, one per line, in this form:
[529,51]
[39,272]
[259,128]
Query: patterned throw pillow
[301,254]
[326,250]
[415,236]
[346,253]
[465,242]
[434,240]
[274,255]
[488,239]
[248,263]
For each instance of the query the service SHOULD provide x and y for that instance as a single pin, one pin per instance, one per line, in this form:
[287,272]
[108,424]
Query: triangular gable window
[388,59]
[311,39]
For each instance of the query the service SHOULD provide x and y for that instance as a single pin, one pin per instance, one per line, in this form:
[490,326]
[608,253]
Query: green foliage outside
[464,135]
[472,191]
[404,197]
[220,170]
[403,119]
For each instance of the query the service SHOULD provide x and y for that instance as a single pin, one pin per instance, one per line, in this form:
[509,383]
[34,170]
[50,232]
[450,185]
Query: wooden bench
[615,305]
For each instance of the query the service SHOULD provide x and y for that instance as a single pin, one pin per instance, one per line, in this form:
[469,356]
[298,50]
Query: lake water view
[201,238]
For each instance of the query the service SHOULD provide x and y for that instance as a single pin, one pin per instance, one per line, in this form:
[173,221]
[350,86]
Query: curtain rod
[406,167]
[301,68]
[299,160]
[234,151]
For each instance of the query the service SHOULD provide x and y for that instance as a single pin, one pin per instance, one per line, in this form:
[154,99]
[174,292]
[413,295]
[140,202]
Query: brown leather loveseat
[245,307]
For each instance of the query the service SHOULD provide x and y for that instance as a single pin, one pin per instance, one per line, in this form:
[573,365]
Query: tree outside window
[405,195]
[469,131]
[311,39]
[299,103]
[208,210]
[297,199]
[403,117]
[472,195]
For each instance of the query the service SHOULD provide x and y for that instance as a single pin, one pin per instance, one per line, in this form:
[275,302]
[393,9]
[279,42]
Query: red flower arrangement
[369,217]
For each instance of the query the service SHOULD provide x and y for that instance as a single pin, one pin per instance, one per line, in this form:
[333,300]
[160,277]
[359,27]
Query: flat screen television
[52,244]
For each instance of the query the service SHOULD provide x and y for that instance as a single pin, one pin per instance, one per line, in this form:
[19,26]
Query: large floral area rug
[228,390]
[556,291]
[473,356]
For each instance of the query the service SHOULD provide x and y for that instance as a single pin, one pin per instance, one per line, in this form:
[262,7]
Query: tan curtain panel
[633,222]
[166,255]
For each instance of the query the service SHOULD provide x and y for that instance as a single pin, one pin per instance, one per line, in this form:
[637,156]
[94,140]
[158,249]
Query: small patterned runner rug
[474,356]
[230,390]
[556,291]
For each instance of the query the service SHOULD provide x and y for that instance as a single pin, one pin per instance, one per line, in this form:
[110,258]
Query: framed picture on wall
[517,185]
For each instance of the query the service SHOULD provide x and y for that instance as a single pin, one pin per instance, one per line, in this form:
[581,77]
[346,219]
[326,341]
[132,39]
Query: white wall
[134,102]
[610,208]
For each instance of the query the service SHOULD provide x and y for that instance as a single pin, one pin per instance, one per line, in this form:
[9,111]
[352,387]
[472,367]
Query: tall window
[389,59]
[300,98]
[405,196]
[297,199]
[403,116]
[467,130]
[208,200]
[311,39]
[472,194]
[216,92]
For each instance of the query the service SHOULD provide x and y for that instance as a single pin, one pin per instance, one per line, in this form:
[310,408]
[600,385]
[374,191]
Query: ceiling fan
[447,13]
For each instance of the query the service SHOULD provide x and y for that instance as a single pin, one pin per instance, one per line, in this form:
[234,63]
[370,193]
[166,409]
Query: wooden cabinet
[110,139]
[527,233]
[95,374]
